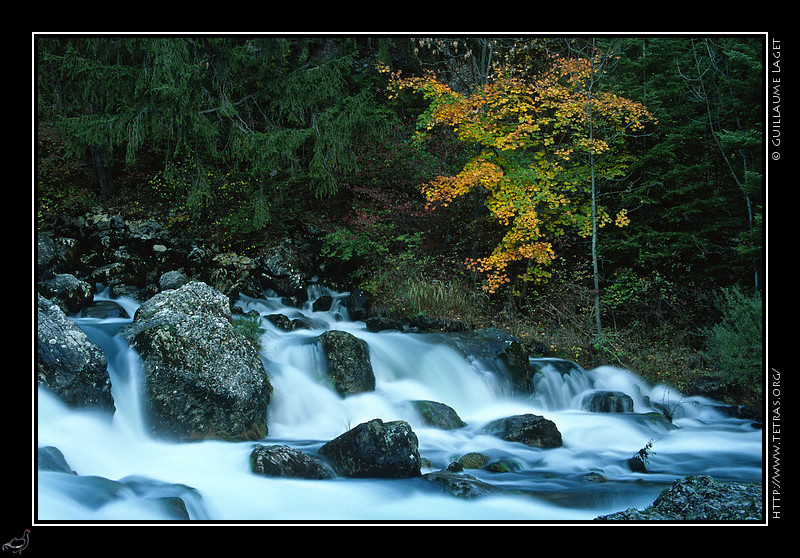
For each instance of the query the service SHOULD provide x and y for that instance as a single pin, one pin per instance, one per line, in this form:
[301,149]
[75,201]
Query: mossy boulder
[202,378]
[438,414]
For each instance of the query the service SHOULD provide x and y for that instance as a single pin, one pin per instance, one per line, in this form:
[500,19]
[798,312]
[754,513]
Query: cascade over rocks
[67,363]
[497,346]
[202,378]
[375,449]
[173,501]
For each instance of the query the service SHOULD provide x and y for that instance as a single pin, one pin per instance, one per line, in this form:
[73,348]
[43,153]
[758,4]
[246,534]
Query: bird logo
[18,544]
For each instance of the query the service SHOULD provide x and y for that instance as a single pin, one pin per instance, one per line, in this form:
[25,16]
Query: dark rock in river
[706,386]
[375,449]
[473,460]
[104,310]
[55,255]
[285,323]
[358,306]
[438,414]
[429,324]
[382,323]
[322,304]
[349,365]
[67,363]
[529,429]
[284,268]
[285,461]
[608,402]
[202,378]
[454,481]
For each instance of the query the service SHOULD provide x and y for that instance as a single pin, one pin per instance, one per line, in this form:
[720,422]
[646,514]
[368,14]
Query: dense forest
[600,197]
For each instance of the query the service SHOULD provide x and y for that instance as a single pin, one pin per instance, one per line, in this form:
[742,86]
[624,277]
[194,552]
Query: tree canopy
[532,135]
[243,130]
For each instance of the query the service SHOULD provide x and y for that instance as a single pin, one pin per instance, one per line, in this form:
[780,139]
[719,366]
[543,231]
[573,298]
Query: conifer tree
[265,106]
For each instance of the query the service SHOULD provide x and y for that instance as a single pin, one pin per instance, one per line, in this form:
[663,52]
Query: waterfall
[120,467]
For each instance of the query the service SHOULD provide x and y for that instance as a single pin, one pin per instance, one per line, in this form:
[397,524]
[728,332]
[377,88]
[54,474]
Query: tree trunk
[595,266]
[104,183]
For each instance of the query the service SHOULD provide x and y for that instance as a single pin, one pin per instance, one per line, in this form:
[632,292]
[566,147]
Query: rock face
[529,429]
[375,449]
[202,379]
[349,368]
[67,363]
[70,291]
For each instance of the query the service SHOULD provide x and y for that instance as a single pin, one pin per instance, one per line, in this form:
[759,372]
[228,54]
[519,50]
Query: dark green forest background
[237,140]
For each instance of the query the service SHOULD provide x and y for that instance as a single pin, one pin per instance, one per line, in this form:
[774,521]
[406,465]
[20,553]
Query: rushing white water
[122,470]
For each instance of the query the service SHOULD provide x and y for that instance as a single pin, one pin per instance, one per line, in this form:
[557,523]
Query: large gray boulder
[202,378]
[67,363]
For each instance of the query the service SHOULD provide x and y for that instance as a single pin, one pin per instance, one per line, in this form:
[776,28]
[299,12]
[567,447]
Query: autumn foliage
[540,140]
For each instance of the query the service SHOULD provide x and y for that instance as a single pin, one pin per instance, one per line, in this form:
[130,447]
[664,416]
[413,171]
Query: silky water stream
[123,474]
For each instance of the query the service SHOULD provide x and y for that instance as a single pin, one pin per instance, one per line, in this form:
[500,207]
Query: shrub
[249,326]
[734,344]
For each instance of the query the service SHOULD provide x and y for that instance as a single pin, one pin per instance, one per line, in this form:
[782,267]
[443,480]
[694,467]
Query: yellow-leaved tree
[543,142]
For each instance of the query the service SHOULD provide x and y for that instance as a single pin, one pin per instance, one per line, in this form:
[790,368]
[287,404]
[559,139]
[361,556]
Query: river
[124,473]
